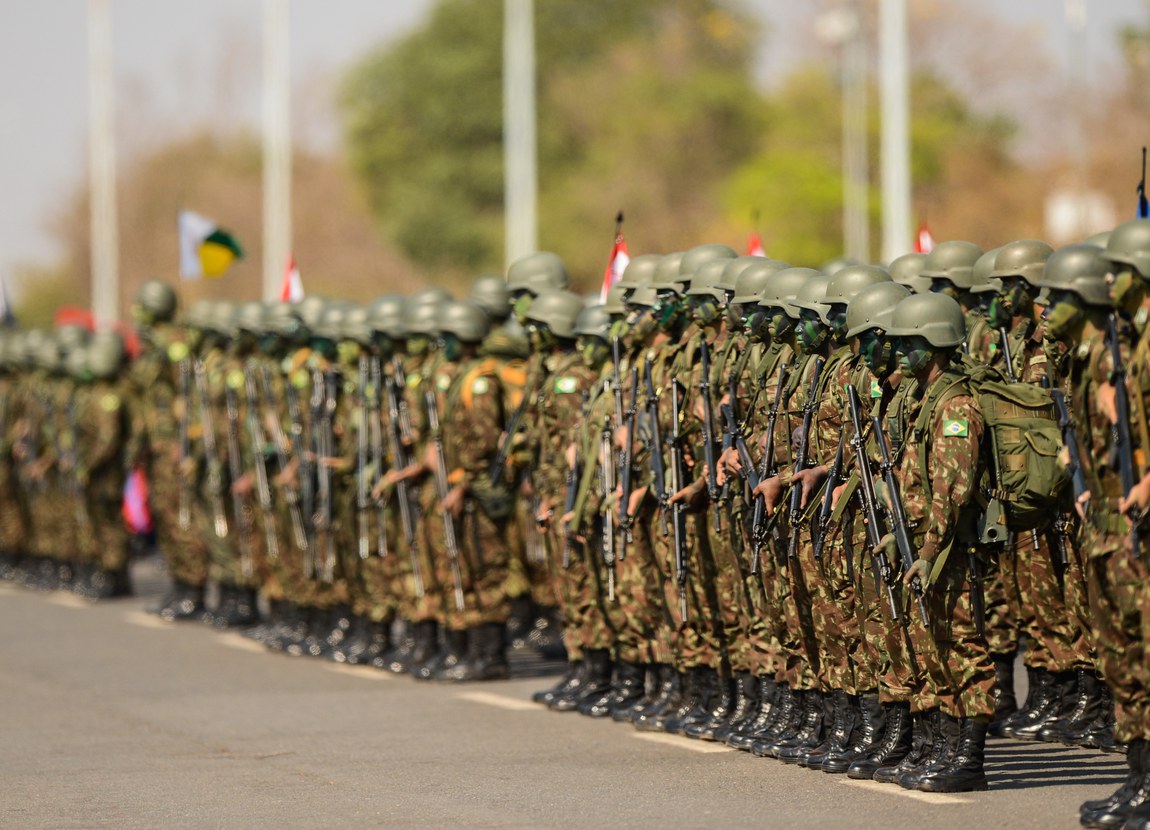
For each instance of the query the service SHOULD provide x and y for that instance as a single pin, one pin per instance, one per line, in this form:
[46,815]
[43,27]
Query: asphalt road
[111,718]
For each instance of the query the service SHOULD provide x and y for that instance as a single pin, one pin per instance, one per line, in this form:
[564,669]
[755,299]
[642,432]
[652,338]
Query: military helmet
[105,354]
[751,280]
[199,314]
[557,310]
[873,306]
[695,257]
[593,321]
[981,276]
[1080,269]
[639,271]
[1101,239]
[937,318]
[666,275]
[48,355]
[71,336]
[614,304]
[644,296]
[733,268]
[467,321]
[310,309]
[907,270]
[540,271]
[783,286]
[330,323]
[250,317]
[837,264]
[434,294]
[1024,258]
[76,363]
[490,292]
[387,314]
[283,319]
[849,281]
[1129,244]
[222,318]
[707,278]
[952,260]
[812,296]
[356,324]
[422,318]
[158,300]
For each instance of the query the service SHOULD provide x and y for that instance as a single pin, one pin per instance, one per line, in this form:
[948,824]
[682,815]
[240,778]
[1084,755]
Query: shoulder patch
[442,383]
[300,378]
[413,380]
[566,385]
[480,386]
[109,402]
[875,389]
[177,351]
[955,429]
[235,379]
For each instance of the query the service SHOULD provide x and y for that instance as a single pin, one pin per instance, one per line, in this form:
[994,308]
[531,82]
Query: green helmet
[29,346]
[330,324]
[422,317]
[952,260]
[106,354]
[812,296]
[1081,270]
[1101,239]
[356,325]
[557,310]
[465,320]
[707,280]
[71,337]
[783,286]
[387,314]
[157,300]
[199,314]
[222,318]
[593,321]
[48,355]
[695,257]
[250,317]
[982,281]
[310,309]
[935,317]
[907,270]
[614,304]
[1024,258]
[1129,244]
[873,307]
[284,319]
[846,282]
[490,293]
[76,363]
[666,276]
[430,295]
[644,296]
[752,279]
[732,268]
[837,264]
[537,272]
[639,271]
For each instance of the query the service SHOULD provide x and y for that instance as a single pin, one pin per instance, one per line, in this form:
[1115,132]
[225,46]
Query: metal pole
[895,99]
[856,214]
[277,144]
[105,242]
[519,128]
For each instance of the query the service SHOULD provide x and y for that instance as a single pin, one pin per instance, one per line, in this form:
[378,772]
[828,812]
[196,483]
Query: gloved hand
[921,569]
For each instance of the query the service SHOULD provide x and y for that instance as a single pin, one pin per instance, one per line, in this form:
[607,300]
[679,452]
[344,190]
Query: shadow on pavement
[1019,766]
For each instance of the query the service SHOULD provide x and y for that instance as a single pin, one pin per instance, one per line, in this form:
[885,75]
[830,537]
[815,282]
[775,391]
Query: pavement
[110,717]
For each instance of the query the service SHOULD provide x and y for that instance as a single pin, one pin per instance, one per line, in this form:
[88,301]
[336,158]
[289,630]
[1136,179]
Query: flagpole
[519,150]
[895,102]
[103,220]
[276,145]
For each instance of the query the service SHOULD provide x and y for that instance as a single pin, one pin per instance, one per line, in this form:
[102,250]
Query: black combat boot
[398,656]
[627,687]
[291,626]
[1005,702]
[708,688]
[237,608]
[837,739]
[818,711]
[573,677]
[424,648]
[352,641]
[1101,728]
[719,710]
[1056,699]
[1138,805]
[109,584]
[376,643]
[668,699]
[758,721]
[788,717]
[891,748]
[867,731]
[1033,683]
[923,728]
[649,689]
[546,635]
[485,658]
[520,621]
[946,736]
[745,709]
[1135,777]
[596,681]
[1025,724]
[451,651]
[312,621]
[963,771]
[1085,702]
[688,696]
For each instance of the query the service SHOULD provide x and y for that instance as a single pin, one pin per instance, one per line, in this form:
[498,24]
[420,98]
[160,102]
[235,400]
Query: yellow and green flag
[206,250]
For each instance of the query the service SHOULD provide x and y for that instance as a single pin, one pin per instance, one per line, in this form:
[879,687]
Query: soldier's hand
[920,570]
[453,501]
[286,477]
[770,490]
[730,465]
[690,494]
[543,514]
[571,455]
[1106,401]
[243,485]
[636,499]
[1082,505]
[1137,499]
[837,494]
[187,468]
[809,479]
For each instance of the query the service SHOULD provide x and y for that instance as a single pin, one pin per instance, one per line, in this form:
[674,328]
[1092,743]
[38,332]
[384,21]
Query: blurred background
[703,120]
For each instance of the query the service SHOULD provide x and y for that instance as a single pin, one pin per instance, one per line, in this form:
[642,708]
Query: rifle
[883,573]
[323,403]
[655,445]
[709,456]
[801,459]
[1074,467]
[280,440]
[607,485]
[678,517]
[306,498]
[897,516]
[572,482]
[501,455]
[824,517]
[1123,441]
[1004,342]
[625,523]
[442,489]
[362,519]
[211,453]
[617,380]
[374,390]
[68,458]
[263,488]
[184,515]
[400,459]
[235,472]
[766,470]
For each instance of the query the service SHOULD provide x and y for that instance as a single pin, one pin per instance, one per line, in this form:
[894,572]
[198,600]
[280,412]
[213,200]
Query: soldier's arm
[953,466]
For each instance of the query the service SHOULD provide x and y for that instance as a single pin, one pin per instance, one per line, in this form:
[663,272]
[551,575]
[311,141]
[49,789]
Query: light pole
[519,166]
[104,229]
[277,144]
[895,97]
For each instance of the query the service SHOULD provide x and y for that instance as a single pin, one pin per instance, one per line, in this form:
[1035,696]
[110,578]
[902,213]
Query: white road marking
[683,743]
[501,701]
[68,600]
[145,620]
[895,789]
[238,641]
[365,672]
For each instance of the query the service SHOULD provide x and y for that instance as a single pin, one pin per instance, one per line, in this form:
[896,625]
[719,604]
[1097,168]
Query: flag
[206,250]
[923,240]
[755,245]
[292,289]
[1143,206]
[137,515]
[617,263]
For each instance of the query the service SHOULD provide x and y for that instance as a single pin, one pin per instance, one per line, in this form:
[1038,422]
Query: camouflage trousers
[1056,641]
[833,613]
[802,669]
[184,548]
[639,614]
[733,604]
[1004,616]
[528,570]
[693,635]
[582,591]
[774,590]
[13,521]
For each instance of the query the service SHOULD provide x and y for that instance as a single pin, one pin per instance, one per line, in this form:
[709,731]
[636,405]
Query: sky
[179,64]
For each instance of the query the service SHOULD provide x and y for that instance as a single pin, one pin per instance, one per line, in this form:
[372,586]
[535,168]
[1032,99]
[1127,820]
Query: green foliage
[44,290]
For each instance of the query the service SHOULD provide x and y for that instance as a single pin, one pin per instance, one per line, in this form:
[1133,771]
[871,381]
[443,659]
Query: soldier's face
[813,331]
[838,320]
[1012,300]
[1127,291]
[520,304]
[418,344]
[1062,313]
[452,347]
[779,323]
[593,350]
[914,353]
[704,309]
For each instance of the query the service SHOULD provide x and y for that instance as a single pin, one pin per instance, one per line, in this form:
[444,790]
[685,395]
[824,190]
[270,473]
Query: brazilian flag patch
[875,389]
[479,386]
[955,429]
[565,385]
[442,383]
[177,351]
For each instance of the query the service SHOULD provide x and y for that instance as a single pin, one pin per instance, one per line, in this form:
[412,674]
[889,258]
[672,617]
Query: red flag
[137,515]
[755,245]
[923,240]
[617,263]
[291,291]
